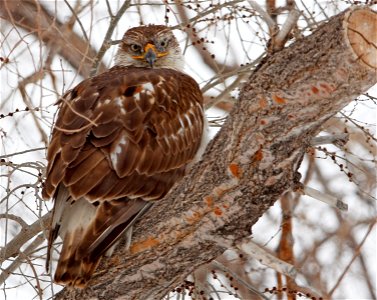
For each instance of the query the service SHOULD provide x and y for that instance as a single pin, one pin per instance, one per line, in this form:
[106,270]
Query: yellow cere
[146,48]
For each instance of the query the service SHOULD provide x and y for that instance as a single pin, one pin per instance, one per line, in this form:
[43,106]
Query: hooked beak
[150,54]
[150,57]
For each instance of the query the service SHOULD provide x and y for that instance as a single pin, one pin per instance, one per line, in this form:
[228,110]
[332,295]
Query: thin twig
[239,279]
[204,13]
[22,152]
[220,79]
[210,61]
[105,44]
[268,259]
[25,256]
[77,19]
[19,260]
[13,247]
[92,123]
[358,126]
[81,115]
[357,253]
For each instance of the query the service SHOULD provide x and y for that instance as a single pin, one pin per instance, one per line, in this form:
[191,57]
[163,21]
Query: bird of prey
[121,140]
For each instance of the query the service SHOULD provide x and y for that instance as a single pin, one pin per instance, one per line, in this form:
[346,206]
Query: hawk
[121,140]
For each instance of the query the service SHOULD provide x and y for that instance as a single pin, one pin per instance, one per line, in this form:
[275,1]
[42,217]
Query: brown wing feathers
[127,133]
[118,134]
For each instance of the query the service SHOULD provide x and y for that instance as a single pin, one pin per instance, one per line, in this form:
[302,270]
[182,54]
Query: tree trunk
[249,164]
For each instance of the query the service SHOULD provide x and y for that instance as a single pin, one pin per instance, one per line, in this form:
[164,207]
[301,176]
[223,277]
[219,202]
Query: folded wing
[121,138]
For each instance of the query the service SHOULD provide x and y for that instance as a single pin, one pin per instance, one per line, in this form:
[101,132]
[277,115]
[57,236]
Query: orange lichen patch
[235,170]
[208,200]
[144,245]
[180,234]
[217,211]
[194,218]
[219,191]
[258,156]
[327,87]
[263,102]
[278,100]
[342,73]
[315,90]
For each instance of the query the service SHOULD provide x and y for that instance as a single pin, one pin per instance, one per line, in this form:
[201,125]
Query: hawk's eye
[164,43]
[135,47]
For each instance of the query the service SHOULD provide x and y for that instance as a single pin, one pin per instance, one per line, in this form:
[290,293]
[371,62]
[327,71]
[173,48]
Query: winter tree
[282,204]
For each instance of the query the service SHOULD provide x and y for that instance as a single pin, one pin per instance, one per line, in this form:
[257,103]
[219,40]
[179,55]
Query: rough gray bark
[250,163]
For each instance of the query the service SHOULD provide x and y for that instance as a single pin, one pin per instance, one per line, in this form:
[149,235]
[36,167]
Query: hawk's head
[152,46]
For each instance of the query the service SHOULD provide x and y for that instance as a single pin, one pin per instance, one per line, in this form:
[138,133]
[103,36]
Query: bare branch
[13,247]
[22,152]
[15,218]
[21,257]
[106,41]
[265,16]
[207,58]
[283,34]
[339,139]
[331,200]
[239,279]
[356,254]
[267,259]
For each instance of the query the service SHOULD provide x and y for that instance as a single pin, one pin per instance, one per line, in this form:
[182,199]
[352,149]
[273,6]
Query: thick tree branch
[249,164]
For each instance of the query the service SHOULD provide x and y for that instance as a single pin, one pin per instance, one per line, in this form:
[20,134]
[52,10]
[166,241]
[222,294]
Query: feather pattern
[121,139]
[137,136]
